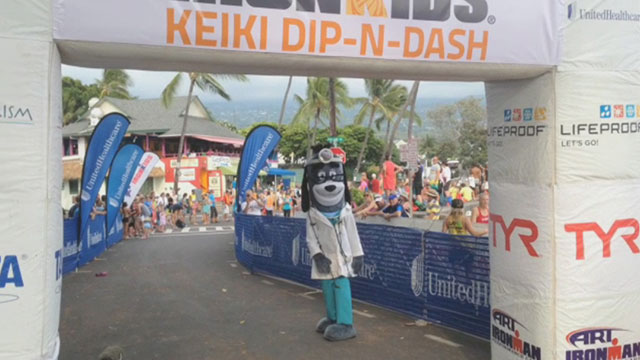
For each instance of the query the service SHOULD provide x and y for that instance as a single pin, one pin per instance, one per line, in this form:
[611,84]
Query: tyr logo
[527,240]
[630,239]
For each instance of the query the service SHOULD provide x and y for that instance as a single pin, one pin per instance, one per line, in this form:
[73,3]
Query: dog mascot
[332,239]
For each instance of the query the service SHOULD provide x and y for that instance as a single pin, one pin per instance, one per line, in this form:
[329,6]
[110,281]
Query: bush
[373,169]
[357,196]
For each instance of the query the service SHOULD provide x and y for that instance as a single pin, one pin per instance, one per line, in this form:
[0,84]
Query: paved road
[183,296]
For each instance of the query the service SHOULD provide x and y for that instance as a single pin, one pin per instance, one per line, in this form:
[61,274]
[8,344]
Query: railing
[437,277]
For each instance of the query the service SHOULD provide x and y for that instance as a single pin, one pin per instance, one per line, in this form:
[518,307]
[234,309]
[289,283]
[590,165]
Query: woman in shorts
[206,211]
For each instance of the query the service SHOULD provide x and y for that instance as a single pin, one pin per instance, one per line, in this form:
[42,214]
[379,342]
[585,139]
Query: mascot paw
[322,325]
[338,332]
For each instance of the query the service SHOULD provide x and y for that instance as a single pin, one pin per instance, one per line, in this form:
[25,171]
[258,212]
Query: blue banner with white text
[102,148]
[258,146]
[438,277]
[120,174]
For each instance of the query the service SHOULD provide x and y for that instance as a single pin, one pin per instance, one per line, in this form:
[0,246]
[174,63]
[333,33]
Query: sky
[149,84]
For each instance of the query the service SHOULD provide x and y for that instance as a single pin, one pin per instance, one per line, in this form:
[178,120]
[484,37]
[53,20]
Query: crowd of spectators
[433,191]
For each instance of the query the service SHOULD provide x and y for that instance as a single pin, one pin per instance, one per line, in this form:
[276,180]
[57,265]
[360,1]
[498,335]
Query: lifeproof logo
[628,229]
[520,122]
[616,119]
[527,226]
[600,344]
[505,331]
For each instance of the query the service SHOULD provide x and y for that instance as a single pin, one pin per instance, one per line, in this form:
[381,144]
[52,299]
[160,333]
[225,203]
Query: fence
[95,243]
[441,278]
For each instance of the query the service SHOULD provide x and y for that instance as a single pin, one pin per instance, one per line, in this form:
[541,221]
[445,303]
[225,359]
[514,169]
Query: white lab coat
[322,237]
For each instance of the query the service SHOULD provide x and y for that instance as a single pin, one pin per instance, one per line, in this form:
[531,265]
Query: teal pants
[337,298]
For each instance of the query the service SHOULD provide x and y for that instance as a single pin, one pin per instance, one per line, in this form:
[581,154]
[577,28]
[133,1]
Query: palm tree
[205,82]
[402,114]
[333,126]
[384,98]
[317,104]
[114,83]
[284,102]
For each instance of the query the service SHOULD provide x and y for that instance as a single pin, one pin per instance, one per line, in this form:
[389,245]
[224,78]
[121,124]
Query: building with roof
[213,151]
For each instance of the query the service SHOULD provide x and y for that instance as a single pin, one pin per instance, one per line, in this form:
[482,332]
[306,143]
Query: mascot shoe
[323,324]
[338,332]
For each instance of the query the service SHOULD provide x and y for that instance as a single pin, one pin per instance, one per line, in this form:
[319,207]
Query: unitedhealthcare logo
[574,12]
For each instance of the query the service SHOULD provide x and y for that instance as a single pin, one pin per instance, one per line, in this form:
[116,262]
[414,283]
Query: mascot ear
[347,193]
[305,192]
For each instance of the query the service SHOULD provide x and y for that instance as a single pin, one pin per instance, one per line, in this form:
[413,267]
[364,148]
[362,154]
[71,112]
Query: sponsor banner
[216,183]
[185,163]
[32,218]
[94,242]
[70,249]
[214,162]
[598,127]
[187,175]
[120,175]
[443,31]
[103,145]
[521,130]
[117,232]
[598,252]
[445,282]
[522,258]
[601,34]
[258,145]
[145,166]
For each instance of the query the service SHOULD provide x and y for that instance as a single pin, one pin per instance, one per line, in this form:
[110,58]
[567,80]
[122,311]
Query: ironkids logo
[505,331]
[600,344]
[508,231]
[228,29]
[630,229]
[467,11]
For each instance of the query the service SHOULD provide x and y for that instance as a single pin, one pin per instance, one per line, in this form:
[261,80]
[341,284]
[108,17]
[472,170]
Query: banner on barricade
[120,175]
[104,143]
[446,281]
[94,242]
[70,250]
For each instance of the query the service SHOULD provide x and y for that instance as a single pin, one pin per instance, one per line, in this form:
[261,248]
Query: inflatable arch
[563,85]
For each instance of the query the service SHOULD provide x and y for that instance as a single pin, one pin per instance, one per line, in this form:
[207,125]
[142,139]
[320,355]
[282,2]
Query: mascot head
[324,185]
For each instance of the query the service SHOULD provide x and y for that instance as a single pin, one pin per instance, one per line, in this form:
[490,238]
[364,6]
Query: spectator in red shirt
[389,175]
[375,184]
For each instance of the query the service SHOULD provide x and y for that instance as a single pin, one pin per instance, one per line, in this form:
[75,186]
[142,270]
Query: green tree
[75,98]
[460,132]
[206,83]
[114,83]
[401,115]
[316,105]
[383,97]
[284,101]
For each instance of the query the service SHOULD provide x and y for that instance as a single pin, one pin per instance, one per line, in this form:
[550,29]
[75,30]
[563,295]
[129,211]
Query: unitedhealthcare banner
[258,145]
[104,143]
[120,175]
[146,164]
[438,277]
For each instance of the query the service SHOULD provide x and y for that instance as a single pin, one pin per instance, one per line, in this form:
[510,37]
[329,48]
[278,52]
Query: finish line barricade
[438,277]
[93,245]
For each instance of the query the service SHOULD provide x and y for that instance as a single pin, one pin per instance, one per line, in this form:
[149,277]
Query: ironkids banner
[514,32]
[104,143]
[146,164]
